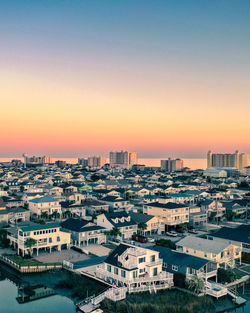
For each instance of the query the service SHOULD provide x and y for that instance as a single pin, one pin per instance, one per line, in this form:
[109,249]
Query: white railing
[136,251]
[154,263]
[97,235]
[151,287]
[215,290]
[114,294]
[104,274]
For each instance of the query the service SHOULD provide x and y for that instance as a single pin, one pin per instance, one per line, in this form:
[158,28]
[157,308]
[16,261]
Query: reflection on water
[17,297]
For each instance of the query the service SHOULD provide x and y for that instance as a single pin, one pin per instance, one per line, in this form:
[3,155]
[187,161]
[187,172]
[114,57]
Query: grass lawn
[26,262]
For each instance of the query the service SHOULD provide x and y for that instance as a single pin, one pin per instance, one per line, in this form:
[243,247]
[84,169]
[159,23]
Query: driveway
[59,256]
[97,250]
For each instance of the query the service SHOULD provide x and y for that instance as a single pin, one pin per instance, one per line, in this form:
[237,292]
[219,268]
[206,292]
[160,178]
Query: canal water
[51,304]
[10,292]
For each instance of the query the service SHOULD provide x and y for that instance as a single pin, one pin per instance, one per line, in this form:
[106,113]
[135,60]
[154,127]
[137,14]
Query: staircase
[236,298]
[90,304]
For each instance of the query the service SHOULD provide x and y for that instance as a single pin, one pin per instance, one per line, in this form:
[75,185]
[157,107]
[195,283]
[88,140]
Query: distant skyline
[163,78]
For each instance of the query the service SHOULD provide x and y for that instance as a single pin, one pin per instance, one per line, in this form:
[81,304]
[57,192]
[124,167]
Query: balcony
[96,235]
[136,251]
[105,275]
[155,263]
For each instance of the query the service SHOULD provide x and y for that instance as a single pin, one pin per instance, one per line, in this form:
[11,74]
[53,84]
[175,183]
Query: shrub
[225,276]
[166,243]
[165,301]
[4,241]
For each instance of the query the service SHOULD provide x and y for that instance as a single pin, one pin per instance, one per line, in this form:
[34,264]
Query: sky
[160,77]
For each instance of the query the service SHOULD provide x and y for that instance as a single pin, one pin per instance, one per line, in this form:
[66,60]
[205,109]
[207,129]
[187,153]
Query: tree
[230,215]
[55,215]
[115,232]
[142,227]
[196,284]
[212,216]
[166,243]
[67,214]
[44,215]
[4,241]
[29,243]
[225,276]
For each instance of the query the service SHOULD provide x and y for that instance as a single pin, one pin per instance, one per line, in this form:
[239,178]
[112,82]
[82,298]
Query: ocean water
[191,163]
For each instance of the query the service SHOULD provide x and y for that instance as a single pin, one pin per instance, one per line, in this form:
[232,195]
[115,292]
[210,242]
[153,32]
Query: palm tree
[44,215]
[142,227]
[115,232]
[55,215]
[67,214]
[29,243]
[196,284]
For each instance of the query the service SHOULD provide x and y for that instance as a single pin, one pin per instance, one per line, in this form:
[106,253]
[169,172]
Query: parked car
[171,233]
[151,240]
[139,238]
[193,231]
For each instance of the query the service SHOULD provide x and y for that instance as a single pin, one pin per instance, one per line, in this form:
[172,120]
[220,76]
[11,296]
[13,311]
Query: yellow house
[222,253]
[171,213]
[47,237]
[154,224]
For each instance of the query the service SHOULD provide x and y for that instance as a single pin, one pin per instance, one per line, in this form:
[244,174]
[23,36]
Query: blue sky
[151,56]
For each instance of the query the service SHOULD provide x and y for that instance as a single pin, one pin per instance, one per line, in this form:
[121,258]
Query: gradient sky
[161,77]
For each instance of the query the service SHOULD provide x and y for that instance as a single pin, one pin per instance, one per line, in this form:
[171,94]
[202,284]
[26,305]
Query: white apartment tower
[122,159]
[237,160]
[172,165]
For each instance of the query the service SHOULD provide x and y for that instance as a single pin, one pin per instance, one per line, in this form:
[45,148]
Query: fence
[30,268]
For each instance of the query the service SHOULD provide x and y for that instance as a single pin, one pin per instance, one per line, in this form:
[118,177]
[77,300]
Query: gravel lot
[59,256]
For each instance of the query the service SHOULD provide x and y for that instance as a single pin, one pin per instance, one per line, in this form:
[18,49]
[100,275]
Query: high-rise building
[237,160]
[172,165]
[60,163]
[35,161]
[83,162]
[122,159]
[93,161]
[96,161]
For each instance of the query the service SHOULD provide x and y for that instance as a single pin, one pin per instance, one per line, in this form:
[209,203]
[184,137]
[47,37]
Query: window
[34,232]
[141,260]
[174,268]
[116,271]
[109,268]
[123,273]
[58,238]
[142,270]
[50,240]
[155,271]
[153,258]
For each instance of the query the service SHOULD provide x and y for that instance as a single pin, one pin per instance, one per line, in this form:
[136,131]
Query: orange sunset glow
[95,94]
